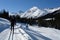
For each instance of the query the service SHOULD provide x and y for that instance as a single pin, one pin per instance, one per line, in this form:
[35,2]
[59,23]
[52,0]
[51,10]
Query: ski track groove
[9,36]
[25,34]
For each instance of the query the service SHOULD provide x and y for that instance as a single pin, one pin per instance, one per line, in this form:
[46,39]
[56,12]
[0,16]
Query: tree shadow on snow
[33,34]
[3,27]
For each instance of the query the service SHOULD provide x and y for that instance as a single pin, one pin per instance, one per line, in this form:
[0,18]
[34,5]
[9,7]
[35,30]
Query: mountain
[35,12]
[55,13]
[15,14]
[50,10]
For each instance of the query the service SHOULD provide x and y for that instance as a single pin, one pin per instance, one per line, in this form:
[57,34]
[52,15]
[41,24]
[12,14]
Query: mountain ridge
[35,12]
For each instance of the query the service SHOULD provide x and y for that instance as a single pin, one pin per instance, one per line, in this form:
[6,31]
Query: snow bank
[4,23]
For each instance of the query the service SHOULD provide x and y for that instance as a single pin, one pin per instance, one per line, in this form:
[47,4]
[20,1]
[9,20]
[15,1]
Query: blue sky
[16,5]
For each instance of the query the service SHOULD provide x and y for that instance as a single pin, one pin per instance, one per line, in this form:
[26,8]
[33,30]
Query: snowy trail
[32,33]
[19,34]
[22,34]
[35,35]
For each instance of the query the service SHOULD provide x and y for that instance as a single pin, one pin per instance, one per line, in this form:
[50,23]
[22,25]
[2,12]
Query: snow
[35,12]
[50,19]
[51,33]
[52,10]
[21,32]
[12,13]
[4,24]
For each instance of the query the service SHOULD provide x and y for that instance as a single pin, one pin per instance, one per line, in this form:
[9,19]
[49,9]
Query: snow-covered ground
[21,32]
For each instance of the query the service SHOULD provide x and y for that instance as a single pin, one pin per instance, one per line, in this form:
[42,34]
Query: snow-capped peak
[51,10]
[33,12]
[34,8]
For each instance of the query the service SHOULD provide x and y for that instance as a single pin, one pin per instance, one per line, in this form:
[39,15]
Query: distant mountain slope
[35,12]
[51,15]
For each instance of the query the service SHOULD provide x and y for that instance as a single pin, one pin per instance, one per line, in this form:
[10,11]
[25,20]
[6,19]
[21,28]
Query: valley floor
[21,32]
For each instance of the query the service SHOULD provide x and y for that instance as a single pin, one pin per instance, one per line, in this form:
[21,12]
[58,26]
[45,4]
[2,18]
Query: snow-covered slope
[21,32]
[52,9]
[50,33]
[18,13]
[4,23]
[35,12]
